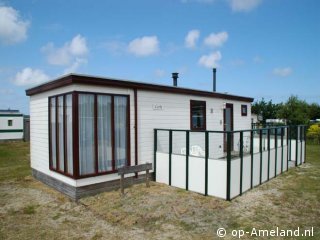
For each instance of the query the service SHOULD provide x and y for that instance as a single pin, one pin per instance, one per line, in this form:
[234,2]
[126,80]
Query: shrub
[313,133]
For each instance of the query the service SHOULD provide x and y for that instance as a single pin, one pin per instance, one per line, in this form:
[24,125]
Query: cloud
[68,53]
[257,59]
[191,38]
[210,60]
[282,72]
[216,39]
[198,1]
[29,76]
[6,91]
[75,65]
[144,46]
[114,47]
[159,73]
[13,29]
[243,5]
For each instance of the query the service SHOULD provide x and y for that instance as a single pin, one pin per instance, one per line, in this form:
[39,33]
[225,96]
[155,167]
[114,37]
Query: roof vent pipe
[175,77]
[214,79]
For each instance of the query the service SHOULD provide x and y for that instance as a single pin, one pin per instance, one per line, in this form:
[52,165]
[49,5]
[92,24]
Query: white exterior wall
[17,124]
[39,133]
[175,115]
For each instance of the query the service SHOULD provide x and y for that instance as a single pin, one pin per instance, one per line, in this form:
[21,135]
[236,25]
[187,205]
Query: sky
[261,48]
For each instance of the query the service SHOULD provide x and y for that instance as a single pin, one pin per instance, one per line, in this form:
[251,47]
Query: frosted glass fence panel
[217,178]
[178,166]
[196,174]
[162,166]
[230,165]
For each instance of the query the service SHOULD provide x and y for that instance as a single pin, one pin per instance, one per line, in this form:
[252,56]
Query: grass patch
[14,160]
[31,210]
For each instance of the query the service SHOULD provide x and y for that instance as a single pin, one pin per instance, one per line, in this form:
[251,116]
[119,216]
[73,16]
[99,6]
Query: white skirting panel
[162,168]
[196,174]
[178,170]
[217,178]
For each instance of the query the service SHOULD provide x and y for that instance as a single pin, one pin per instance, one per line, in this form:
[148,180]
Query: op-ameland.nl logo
[277,232]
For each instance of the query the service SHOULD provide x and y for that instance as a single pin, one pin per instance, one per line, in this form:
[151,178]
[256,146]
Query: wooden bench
[134,169]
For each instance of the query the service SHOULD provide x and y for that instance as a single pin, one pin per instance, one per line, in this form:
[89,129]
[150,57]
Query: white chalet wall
[174,115]
[17,124]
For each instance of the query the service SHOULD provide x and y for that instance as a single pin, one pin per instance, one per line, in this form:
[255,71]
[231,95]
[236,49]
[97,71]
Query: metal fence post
[276,152]
[251,150]
[170,155]
[187,159]
[281,149]
[155,153]
[288,132]
[228,166]
[305,144]
[241,160]
[206,162]
[301,132]
[268,154]
[297,133]
[260,150]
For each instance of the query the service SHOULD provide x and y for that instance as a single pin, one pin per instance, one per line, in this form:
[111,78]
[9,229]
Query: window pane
[86,134]
[120,129]
[104,133]
[61,135]
[198,117]
[53,131]
[68,119]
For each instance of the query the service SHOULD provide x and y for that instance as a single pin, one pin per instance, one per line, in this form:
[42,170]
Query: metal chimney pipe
[214,79]
[175,77]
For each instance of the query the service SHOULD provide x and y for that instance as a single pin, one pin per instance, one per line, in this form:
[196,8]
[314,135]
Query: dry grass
[31,210]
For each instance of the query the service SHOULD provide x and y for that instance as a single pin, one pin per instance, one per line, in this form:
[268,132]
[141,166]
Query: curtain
[61,133]
[120,125]
[53,131]
[86,134]
[68,119]
[104,133]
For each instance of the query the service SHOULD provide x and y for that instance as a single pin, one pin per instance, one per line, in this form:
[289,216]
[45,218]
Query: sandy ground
[31,210]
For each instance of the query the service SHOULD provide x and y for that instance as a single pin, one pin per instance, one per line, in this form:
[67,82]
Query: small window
[244,110]
[198,115]
[10,123]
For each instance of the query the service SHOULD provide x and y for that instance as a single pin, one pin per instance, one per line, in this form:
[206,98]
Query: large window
[197,115]
[100,126]
[61,134]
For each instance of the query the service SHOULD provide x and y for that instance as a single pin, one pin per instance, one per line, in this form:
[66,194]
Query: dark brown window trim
[50,133]
[75,134]
[57,134]
[136,128]
[244,114]
[192,103]
[65,157]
